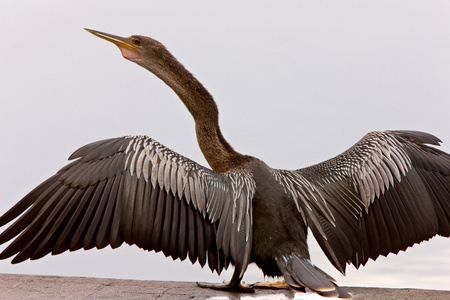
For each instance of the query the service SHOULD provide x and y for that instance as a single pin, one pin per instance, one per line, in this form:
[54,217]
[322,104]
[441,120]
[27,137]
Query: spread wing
[381,196]
[135,190]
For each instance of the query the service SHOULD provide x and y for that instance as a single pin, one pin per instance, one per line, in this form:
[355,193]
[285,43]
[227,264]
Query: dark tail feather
[300,273]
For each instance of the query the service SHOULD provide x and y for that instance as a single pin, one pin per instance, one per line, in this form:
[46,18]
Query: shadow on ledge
[52,287]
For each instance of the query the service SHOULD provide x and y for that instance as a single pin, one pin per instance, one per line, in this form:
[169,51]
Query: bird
[385,193]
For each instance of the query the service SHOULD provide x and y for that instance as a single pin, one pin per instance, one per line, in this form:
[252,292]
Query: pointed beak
[118,40]
[129,50]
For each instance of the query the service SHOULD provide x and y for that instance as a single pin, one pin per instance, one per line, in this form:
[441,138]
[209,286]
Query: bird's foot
[271,285]
[225,286]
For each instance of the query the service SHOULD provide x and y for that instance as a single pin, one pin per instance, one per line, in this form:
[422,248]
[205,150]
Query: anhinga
[381,196]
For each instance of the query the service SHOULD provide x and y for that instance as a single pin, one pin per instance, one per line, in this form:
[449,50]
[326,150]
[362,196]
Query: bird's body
[272,202]
[381,196]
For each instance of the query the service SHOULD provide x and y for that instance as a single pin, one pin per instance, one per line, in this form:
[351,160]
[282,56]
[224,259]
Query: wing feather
[134,190]
[158,221]
[102,238]
[386,193]
[182,248]
[46,245]
[192,236]
[167,224]
[174,230]
[31,236]
[138,215]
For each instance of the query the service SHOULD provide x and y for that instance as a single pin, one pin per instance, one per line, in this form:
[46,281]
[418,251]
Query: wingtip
[419,136]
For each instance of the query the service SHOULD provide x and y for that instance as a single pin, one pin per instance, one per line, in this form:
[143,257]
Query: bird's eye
[136,42]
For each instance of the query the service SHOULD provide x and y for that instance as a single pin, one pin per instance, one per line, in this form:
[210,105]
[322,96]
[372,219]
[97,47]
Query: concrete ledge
[52,287]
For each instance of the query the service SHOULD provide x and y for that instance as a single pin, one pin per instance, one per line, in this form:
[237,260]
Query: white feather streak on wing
[235,189]
[199,196]
[190,182]
[186,189]
[371,166]
[130,144]
[210,205]
[387,175]
[132,162]
[184,178]
[381,153]
[242,210]
[155,164]
[166,175]
[162,166]
[146,168]
[140,164]
[173,176]
[137,149]
[180,183]
[394,170]
[216,196]
[208,191]
[305,196]
[242,187]
[203,189]
[127,160]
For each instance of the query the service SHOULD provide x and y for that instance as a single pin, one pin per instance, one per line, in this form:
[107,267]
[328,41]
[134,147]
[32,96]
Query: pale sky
[296,83]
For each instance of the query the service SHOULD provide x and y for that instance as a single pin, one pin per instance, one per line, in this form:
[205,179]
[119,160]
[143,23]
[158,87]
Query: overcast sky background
[296,82]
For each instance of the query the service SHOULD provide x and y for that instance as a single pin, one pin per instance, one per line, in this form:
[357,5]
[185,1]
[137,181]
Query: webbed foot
[226,286]
[270,285]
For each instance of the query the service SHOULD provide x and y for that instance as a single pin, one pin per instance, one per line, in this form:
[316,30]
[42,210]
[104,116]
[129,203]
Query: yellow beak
[118,40]
[129,50]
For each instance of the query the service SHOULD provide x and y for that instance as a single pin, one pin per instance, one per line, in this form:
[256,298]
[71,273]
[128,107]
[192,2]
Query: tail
[300,273]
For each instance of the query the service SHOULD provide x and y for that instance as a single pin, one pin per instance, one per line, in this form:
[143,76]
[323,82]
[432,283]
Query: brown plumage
[387,192]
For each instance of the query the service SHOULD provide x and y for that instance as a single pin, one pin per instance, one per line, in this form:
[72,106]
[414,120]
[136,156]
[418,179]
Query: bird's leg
[234,285]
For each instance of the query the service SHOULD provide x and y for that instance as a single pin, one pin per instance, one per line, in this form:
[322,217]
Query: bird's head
[153,56]
[143,50]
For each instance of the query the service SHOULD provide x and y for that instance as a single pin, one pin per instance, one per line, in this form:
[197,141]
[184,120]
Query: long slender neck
[217,151]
